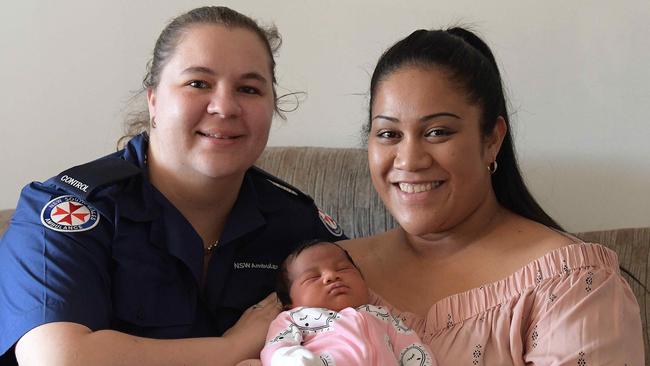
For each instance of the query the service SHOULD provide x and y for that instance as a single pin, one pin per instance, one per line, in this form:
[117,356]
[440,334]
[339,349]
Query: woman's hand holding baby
[250,330]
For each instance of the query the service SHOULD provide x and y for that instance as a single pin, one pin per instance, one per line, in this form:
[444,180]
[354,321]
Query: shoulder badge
[69,214]
[330,224]
[83,180]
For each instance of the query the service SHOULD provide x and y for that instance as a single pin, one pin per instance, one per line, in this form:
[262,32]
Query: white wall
[577,73]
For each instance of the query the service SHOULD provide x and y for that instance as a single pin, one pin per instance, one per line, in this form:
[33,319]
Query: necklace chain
[210,248]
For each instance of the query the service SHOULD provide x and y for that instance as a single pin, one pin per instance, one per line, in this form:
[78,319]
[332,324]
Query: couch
[338,180]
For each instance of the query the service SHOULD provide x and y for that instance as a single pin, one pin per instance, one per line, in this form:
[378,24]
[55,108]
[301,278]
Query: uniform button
[139,314]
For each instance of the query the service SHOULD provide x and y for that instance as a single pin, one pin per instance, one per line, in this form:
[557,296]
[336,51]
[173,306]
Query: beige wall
[577,73]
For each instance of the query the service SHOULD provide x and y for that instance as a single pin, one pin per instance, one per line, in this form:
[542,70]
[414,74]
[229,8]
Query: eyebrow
[314,268]
[310,269]
[198,69]
[422,119]
[254,76]
[209,71]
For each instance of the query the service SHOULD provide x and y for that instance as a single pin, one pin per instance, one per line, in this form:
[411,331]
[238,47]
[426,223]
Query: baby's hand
[294,356]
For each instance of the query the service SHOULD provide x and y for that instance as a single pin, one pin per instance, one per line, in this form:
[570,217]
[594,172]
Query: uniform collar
[135,150]
[140,201]
[137,201]
[173,232]
[245,216]
[257,194]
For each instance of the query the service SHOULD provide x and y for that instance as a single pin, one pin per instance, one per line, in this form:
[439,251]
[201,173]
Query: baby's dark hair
[283,283]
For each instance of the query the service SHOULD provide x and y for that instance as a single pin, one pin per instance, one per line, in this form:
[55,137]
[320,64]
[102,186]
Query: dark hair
[283,283]
[471,66]
[169,38]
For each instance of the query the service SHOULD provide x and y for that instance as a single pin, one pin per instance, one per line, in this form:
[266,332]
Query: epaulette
[83,180]
[280,183]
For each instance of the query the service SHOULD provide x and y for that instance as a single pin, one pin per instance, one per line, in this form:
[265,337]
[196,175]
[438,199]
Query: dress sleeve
[50,276]
[588,316]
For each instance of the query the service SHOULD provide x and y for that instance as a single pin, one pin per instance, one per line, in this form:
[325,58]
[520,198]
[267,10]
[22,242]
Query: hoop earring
[492,167]
[152,121]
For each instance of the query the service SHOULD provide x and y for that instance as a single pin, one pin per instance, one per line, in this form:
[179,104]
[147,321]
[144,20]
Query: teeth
[417,188]
[215,136]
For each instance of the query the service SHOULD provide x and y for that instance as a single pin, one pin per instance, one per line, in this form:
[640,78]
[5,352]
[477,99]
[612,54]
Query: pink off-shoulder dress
[569,307]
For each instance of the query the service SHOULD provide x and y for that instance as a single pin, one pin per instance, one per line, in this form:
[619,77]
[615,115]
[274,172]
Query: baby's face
[322,277]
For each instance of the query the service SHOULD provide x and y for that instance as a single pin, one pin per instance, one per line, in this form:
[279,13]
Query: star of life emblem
[69,214]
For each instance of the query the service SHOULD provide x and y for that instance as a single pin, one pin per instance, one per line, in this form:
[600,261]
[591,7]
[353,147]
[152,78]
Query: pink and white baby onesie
[366,336]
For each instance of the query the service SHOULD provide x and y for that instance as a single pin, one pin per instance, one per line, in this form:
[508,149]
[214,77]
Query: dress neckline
[464,305]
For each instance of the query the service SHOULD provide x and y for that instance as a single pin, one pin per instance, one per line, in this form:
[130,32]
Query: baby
[330,321]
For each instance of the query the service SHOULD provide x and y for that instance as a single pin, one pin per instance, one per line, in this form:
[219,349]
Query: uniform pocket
[153,295]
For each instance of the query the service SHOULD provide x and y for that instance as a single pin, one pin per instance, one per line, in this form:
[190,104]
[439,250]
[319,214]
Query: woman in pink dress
[476,266]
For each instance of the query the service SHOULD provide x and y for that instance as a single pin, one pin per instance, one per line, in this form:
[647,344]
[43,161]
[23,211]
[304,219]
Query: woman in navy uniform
[149,256]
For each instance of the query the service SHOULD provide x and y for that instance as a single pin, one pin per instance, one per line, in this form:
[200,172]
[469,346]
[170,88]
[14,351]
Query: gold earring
[492,167]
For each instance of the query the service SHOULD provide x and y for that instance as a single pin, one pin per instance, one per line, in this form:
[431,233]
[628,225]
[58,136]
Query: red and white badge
[330,224]
[69,214]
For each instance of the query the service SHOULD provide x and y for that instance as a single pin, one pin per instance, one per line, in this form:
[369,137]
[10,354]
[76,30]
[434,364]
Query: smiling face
[428,160]
[323,277]
[213,104]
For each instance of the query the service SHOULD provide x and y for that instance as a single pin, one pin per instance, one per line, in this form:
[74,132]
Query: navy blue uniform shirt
[98,245]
